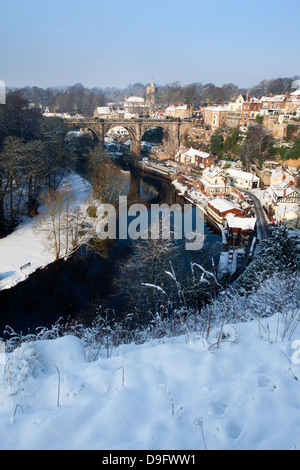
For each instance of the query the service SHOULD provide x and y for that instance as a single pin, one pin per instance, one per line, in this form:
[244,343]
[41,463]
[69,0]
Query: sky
[113,43]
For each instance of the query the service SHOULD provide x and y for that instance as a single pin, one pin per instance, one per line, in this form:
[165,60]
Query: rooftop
[192,152]
[273,98]
[103,110]
[242,174]
[211,172]
[247,223]
[135,99]
[223,205]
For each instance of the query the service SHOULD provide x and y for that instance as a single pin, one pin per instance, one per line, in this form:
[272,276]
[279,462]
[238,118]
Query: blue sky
[117,42]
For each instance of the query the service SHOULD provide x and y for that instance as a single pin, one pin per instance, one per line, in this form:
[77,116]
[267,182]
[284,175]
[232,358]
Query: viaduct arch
[175,131]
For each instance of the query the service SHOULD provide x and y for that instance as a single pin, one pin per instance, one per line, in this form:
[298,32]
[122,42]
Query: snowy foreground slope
[178,394]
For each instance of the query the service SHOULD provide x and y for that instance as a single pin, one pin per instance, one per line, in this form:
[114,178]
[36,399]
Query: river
[71,289]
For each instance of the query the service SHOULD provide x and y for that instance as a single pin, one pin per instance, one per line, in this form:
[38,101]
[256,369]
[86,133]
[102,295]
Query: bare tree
[55,220]
[257,144]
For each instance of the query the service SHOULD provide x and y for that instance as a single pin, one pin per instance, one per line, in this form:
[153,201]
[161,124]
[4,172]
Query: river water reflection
[72,289]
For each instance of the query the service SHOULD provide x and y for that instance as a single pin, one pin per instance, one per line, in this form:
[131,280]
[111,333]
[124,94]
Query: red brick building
[250,109]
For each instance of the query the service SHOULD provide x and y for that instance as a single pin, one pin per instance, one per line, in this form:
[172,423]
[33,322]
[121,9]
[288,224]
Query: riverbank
[26,249]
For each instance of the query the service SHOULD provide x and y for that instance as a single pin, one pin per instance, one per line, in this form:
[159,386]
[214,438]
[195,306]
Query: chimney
[248,96]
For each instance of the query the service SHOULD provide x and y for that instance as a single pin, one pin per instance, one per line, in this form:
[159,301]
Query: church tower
[151,94]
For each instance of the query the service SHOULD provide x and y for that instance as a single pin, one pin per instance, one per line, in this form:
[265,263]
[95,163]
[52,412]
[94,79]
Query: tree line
[82,100]
[34,154]
[74,100]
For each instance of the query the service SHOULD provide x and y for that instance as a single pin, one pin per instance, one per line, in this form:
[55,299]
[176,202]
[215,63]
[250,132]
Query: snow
[135,99]
[228,262]
[244,223]
[260,194]
[181,393]
[192,153]
[223,205]
[27,245]
[180,187]
[288,208]
[234,173]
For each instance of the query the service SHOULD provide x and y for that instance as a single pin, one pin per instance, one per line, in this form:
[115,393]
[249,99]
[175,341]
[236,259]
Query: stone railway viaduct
[174,131]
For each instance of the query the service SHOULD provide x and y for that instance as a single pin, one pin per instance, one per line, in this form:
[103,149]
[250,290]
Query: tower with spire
[151,91]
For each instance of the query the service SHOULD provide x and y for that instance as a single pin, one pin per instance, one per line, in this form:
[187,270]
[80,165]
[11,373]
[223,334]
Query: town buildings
[216,181]
[183,111]
[234,112]
[199,159]
[282,202]
[212,182]
[214,116]
[219,208]
[250,109]
[137,106]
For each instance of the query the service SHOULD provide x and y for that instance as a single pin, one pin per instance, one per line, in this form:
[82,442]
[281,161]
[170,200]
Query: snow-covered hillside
[27,247]
[179,393]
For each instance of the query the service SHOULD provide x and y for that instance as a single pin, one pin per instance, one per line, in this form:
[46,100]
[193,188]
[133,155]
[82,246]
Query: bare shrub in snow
[22,364]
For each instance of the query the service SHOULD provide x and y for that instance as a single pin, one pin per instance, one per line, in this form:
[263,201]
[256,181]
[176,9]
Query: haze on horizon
[110,44]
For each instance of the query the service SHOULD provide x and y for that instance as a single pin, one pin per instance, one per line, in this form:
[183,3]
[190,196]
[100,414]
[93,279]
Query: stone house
[273,104]
[102,112]
[212,182]
[214,116]
[184,111]
[242,179]
[136,105]
[197,158]
[280,174]
[234,113]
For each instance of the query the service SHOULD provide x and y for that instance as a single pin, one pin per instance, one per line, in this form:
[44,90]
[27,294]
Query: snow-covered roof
[278,172]
[245,175]
[223,205]
[247,223]
[135,99]
[193,152]
[173,108]
[215,108]
[273,98]
[207,184]
[296,92]
[288,208]
[212,172]
[280,190]
[103,110]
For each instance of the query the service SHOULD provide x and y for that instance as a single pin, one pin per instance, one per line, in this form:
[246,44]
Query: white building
[242,179]
[119,131]
[285,201]
[215,179]
[194,157]
[184,111]
[102,112]
[136,105]
[212,182]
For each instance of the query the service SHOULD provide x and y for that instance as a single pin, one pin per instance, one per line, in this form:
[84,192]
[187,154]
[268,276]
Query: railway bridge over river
[174,131]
